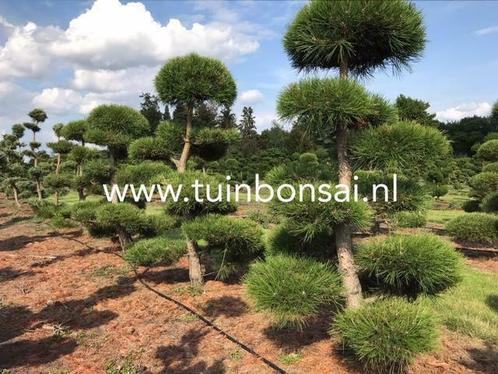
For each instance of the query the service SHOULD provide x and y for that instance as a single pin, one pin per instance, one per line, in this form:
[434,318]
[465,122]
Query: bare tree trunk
[182,163]
[124,238]
[194,264]
[38,190]
[343,235]
[81,195]
[113,177]
[16,197]
[58,165]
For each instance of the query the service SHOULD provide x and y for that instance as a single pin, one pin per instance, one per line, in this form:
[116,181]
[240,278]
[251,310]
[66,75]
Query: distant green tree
[149,107]
[75,130]
[226,119]
[410,109]
[247,124]
[38,116]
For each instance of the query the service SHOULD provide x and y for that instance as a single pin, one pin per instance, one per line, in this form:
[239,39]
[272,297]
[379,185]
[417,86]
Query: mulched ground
[70,304]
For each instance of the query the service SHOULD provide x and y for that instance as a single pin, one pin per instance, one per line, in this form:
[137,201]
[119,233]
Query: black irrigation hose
[210,324]
[199,316]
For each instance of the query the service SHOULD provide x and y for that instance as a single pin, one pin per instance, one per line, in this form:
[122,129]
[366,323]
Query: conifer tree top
[359,35]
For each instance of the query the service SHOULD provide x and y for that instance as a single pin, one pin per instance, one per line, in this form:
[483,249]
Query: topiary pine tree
[75,130]
[115,127]
[189,81]
[61,148]
[354,37]
[12,167]
[38,116]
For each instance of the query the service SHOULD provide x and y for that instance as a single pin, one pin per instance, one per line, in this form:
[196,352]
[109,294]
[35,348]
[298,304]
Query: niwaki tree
[355,38]
[38,116]
[115,127]
[188,82]
[12,167]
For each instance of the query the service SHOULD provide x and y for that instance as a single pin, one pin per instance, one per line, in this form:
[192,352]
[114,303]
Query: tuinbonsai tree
[38,116]
[356,38]
[75,130]
[12,167]
[115,127]
[188,82]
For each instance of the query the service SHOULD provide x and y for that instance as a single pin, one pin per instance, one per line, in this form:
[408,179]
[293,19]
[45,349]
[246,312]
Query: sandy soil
[70,304]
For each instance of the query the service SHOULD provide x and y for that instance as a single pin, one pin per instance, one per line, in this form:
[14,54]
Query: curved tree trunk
[39,190]
[182,163]
[81,195]
[343,234]
[124,238]
[194,264]
[16,197]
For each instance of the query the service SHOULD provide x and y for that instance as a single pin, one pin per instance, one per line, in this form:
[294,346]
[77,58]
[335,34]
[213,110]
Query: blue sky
[68,56]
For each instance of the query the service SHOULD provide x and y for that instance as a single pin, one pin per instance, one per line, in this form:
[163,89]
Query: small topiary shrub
[386,336]
[281,240]
[483,184]
[43,208]
[410,264]
[410,219]
[492,167]
[230,242]
[155,251]
[293,289]
[471,205]
[490,203]
[475,227]
[84,211]
[438,190]
[158,224]
[489,150]
[194,207]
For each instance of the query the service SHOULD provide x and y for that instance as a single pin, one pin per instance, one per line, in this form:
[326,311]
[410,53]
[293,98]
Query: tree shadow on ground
[291,339]
[8,273]
[168,276]
[15,243]
[228,306]
[179,358]
[492,302]
[484,360]
[35,352]
[13,221]
[78,314]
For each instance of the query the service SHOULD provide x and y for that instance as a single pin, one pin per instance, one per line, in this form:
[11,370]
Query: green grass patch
[443,216]
[471,308]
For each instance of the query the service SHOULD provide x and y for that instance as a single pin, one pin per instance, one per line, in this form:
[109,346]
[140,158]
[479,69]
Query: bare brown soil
[69,303]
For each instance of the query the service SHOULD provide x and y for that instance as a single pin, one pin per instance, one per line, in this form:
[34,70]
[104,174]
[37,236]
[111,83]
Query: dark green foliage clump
[194,79]
[84,211]
[410,264]
[115,126]
[410,219]
[158,224]
[362,34]
[386,336]
[231,242]
[111,217]
[306,168]
[43,208]
[309,217]
[483,184]
[145,173]
[293,289]
[475,227]
[489,150]
[404,148]
[471,206]
[490,203]
[492,167]
[193,207]
[149,148]
[155,251]
[438,190]
[282,240]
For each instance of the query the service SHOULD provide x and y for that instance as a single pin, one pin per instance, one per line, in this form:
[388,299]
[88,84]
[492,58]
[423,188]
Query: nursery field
[71,304]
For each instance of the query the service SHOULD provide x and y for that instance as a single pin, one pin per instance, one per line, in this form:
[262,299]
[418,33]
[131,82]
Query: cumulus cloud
[101,80]
[464,110]
[115,36]
[487,30]
[251,97]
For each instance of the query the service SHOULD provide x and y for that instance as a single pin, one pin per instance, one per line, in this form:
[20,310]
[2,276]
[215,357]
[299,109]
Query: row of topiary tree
[306,264]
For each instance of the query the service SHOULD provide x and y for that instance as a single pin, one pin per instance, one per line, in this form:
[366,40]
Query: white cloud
[464,110]
[58,100]
[24,54]
[115,36]
[487,30]
[251,97]
[264,120]
[136,79]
